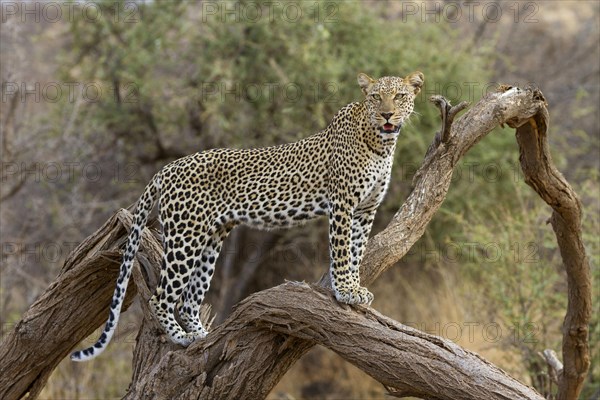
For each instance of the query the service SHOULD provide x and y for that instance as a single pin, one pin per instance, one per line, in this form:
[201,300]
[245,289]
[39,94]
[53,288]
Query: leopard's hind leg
[184,239]
[194,293]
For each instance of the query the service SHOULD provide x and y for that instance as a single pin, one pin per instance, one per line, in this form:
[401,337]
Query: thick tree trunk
[69,311]
[233,363]
[246,355]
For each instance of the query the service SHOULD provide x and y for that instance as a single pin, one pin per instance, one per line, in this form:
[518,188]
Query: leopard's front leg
[362,222]
[345,257]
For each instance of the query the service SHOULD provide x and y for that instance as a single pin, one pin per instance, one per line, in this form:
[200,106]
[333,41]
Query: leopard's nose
[387,115]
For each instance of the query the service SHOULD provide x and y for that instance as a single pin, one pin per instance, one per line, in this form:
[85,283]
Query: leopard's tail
[143,209]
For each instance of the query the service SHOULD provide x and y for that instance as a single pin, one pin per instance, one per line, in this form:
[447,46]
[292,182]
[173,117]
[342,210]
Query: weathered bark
[69,311]
[406,359]
[541,174]
[267,333]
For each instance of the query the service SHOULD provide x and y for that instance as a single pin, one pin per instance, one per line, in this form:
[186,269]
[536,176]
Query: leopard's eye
[376,96]
[399,96]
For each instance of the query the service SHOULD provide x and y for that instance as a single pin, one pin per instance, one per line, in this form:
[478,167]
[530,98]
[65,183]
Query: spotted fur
[341,172]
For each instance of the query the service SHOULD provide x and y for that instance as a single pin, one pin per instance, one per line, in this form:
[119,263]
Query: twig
[555,367]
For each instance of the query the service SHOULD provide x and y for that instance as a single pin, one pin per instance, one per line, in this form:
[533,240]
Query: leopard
[342,172]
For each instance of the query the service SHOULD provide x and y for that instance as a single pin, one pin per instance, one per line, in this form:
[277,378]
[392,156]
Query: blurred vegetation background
[97,98]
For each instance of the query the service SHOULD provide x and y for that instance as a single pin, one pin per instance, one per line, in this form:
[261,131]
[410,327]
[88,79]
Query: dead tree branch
[541,174]
[396,355]
[69,311]
[245,356]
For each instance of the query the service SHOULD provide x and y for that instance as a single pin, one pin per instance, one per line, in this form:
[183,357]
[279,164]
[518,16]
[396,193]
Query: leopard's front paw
[360,295]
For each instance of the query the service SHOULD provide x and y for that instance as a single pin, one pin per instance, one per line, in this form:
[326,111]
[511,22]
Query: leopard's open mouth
[390,128]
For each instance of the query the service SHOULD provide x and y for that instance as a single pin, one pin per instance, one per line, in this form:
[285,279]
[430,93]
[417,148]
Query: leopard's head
[390,100]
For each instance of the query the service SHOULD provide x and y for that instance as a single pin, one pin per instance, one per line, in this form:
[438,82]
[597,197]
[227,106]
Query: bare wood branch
[433,179]
[396,355]
[447,114]
[69,311]
[555,367]
[543,176]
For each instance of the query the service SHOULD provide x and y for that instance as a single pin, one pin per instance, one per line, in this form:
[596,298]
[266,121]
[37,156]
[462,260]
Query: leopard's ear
[365,82]
[416,80]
